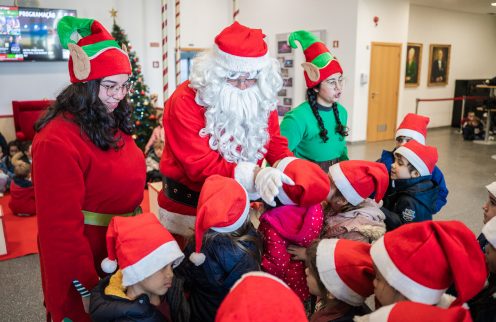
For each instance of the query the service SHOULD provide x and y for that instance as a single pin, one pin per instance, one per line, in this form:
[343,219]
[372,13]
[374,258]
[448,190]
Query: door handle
[373,94]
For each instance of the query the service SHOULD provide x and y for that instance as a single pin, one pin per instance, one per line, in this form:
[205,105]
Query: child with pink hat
[420,261]
[340,273]
[483,306]
[226,246]
[145,257]
[414,127]
[412,194]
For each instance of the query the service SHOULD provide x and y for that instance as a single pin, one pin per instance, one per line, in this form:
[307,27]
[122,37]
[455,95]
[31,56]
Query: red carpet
[22,232]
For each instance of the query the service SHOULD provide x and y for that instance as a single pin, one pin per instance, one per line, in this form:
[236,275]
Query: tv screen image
[31,34]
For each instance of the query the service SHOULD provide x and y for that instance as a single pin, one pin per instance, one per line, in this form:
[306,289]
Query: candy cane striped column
[178,52]
[165,51]
[235,10]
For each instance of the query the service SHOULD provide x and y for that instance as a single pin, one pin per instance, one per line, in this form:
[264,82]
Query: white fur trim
[344,185]
[244,174]
[492,188]
[405,285]
[414,159]
[417,136]
[241,220]
[197,258]
[489,231]
[260,274]
[159,258]
[108,266]
[178,224]
[282,196]
[382,314]
[330,277]
[238,63]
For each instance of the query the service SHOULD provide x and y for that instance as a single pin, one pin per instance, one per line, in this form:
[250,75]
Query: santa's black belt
[180,193]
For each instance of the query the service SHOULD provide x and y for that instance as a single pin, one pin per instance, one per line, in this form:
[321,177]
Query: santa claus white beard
[237,124]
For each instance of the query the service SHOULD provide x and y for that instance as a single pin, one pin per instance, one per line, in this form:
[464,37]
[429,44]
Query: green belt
[99,219]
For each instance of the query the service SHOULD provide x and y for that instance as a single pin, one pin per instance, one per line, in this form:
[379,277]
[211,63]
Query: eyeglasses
[113,90]
[403,139]
[236,79]
[333,82]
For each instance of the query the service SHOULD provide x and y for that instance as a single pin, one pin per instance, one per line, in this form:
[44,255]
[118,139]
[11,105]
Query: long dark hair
[340,128]
[81,101]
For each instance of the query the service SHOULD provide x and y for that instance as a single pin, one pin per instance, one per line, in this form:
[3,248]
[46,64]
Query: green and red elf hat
[320,63]
[94,52]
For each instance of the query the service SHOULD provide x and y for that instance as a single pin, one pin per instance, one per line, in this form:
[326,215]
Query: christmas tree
[144,115]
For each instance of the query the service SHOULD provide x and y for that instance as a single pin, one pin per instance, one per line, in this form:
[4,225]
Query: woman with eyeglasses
[316,129]
[86,166]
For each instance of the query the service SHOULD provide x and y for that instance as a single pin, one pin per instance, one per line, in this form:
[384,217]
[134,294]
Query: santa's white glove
[244,174]
[268,182]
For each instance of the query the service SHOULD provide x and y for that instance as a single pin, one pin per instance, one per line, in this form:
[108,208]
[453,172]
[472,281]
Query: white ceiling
[473,6]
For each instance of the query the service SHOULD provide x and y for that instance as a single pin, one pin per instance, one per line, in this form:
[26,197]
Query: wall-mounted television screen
[30,34]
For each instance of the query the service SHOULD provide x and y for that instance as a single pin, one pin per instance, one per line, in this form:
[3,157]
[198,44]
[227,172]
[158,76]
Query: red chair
[26,113]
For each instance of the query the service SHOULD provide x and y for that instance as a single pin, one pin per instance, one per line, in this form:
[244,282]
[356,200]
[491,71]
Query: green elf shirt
[301,129]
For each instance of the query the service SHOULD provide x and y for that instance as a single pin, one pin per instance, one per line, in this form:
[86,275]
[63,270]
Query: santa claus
[223,121]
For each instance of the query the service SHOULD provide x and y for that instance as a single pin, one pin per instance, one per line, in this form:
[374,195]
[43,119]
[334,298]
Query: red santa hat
[312,184]
[491,188]
[422,157]
[223,206]
[346,270]
[139,252]
[258,297]
[421,260]
[414,126]
[241,49]
[414,312]
[489,231]
[358,179]
[94,53]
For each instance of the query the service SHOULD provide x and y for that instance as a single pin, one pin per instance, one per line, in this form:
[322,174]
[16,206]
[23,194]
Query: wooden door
[384,85]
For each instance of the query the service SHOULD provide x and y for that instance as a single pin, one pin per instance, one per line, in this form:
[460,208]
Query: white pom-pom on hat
[108,266]
[197,258]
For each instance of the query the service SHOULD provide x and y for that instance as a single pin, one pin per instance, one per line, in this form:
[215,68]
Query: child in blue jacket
[414,127]
[412,194]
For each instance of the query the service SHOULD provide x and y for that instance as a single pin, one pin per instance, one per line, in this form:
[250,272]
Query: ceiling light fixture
[493,4]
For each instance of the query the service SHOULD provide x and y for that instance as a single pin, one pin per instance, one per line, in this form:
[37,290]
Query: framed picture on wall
[439,61]
[413,63]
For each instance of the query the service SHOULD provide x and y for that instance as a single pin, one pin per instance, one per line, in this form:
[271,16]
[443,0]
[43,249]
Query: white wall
[473,47]
[392,27]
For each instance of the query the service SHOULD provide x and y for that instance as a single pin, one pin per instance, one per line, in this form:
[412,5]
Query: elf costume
[300,125]
[80,187]
[188,158]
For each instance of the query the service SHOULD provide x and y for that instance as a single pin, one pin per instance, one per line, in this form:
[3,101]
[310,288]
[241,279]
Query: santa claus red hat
[223,206]
[259,297]
[346,270]
[414,312]
[241,49]
[414,126]
[421,260]
[94,52]
[422,157]
[358,179]
[489,231]
[139,252]
[311,183]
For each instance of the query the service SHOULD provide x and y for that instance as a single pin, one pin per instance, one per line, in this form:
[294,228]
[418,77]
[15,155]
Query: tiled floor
[467,167]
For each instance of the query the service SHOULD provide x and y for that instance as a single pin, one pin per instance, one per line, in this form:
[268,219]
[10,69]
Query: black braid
[312,100]
[340,128]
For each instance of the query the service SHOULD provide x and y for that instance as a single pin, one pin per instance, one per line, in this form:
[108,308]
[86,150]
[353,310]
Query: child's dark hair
[340,128]
[245,234]
[311,264]
[344,208]
[410,166]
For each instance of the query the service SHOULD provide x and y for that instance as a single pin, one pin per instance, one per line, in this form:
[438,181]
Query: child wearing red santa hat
[419,261]
[412,194]
[414,312]
[483,306]
[145,257]
[226,246]
[260,297]
[414,127]
[341,274]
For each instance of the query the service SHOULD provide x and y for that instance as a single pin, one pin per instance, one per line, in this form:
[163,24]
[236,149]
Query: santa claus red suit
[222,121]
